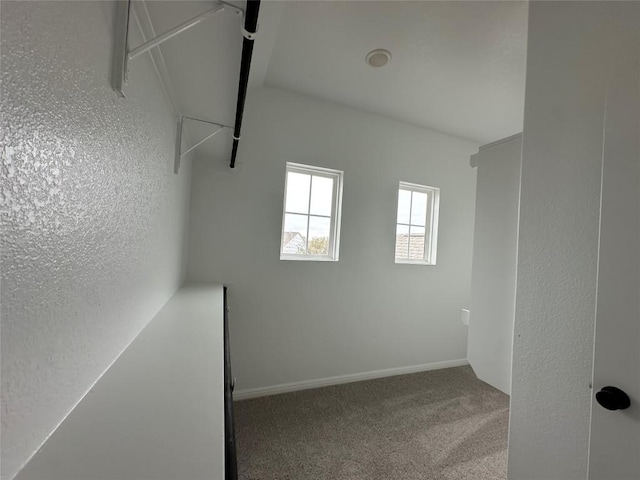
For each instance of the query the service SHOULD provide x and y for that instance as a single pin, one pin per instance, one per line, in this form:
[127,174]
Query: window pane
[419,208]
[416,243]
[404,205]
[294,237]
[402,241]
[321,195]
[319,231]
[297,192]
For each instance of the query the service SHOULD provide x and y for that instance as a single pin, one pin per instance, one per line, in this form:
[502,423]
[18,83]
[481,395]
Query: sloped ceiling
[457,67]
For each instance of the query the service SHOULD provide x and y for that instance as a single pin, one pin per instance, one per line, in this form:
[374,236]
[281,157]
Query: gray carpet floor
[438,425]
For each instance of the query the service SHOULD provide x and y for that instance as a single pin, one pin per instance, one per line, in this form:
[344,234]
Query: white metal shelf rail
[123,55]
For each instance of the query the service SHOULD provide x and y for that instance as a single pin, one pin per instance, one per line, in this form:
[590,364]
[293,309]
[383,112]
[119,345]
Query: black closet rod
[250,25]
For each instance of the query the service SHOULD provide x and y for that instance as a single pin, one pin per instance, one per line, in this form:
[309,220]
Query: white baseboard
[354,377]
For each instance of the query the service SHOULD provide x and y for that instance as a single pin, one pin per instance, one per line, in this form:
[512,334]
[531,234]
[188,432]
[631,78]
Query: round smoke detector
[378,57]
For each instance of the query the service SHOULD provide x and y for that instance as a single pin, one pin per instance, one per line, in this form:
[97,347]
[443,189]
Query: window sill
[305,258]
[414,262]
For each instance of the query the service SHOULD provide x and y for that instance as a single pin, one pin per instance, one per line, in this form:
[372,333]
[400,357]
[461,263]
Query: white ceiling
[457,67]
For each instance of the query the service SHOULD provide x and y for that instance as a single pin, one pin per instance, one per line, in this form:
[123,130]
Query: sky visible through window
[411,224]
[308,209]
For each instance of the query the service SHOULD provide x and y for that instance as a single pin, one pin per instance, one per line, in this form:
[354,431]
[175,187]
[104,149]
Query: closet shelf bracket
[179,153]
[123,54]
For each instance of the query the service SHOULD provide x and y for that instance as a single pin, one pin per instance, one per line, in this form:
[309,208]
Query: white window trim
[431,223]
[336,212]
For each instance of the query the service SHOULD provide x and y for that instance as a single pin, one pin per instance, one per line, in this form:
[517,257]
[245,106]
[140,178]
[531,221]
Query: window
[311,217]
[417,224]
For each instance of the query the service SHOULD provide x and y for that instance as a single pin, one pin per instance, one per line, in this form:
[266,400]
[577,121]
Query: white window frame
[336,212]
[430,226]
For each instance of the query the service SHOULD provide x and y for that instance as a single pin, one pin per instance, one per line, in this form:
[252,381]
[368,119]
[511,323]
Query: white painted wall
[292,320]
[493,273]
[93,217]
[158,412]
[572,50]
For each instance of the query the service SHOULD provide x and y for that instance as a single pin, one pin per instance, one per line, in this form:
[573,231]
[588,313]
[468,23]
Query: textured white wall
[493,275]
[92,216]
[571,50]
[294,320]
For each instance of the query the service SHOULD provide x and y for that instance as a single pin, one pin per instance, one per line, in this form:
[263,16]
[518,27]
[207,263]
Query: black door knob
[613,398]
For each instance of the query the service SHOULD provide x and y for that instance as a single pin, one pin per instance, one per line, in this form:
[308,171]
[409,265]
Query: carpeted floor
[438,425]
